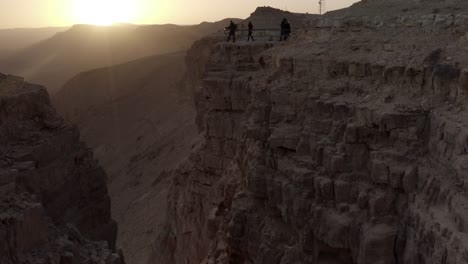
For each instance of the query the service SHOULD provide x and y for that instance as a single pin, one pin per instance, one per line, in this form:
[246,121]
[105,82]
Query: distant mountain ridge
[270,18]
[18,38]
[55,60]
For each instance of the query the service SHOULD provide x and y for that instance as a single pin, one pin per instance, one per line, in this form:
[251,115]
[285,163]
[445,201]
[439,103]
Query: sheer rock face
[341,147]
[53,194]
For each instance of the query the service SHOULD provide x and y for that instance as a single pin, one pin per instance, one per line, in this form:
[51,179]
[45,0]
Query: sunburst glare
[104,12]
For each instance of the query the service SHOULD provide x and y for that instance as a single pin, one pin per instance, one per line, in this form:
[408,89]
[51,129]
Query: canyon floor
[139,118]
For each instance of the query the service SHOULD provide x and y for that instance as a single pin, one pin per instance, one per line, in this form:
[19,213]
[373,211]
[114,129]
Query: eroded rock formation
[53,194]
[347,145]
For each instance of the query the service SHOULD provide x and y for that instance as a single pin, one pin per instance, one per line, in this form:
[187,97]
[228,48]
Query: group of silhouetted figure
[232,28]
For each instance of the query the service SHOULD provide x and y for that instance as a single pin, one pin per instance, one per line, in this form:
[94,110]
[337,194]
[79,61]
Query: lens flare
[104,12]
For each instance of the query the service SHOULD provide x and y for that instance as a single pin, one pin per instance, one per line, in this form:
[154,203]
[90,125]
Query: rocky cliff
[53,194]
[347,145]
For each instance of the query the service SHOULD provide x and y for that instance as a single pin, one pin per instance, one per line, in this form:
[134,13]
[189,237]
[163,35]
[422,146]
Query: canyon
[139,117]
[346,144]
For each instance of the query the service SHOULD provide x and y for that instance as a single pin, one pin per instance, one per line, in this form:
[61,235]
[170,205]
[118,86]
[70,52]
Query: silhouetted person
[232,32]
[250,32]
[285,29]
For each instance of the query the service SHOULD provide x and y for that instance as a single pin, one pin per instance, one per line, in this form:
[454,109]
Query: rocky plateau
[348,144]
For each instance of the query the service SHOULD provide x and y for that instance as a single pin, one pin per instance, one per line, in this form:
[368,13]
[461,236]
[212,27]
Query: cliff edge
[347,145]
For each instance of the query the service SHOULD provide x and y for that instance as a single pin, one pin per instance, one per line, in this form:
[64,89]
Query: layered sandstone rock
[53,194]
[349,145]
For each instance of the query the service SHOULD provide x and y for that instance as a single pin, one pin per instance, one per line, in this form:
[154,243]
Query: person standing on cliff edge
[288,30]
[232,32]
[285,29]
[250,32]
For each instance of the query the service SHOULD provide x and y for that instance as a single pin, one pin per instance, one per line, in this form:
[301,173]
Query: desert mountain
[19,38]
[53,61]
[270,18]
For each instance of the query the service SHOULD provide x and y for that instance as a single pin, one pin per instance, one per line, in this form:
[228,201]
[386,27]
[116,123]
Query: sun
[104,12]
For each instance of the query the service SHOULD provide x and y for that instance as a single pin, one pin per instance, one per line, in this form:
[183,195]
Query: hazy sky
[41,13]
